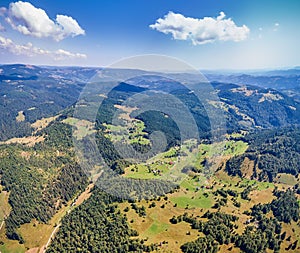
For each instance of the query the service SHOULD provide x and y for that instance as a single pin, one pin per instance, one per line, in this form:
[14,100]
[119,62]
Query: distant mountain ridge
[28,93]
[286,81]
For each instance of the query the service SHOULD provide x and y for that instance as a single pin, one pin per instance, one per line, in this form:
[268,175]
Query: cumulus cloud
[29,20]
[61,54]
[201,31]
[30,50]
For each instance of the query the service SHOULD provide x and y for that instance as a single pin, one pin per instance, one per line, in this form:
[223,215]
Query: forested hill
[249,107]
[40,177]
[287,81]
[28,93]
[270,152]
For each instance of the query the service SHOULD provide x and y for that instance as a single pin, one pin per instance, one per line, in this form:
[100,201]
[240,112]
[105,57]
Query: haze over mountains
[43,91]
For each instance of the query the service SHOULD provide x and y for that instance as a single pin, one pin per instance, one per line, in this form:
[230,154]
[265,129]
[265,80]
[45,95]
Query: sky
[207,34]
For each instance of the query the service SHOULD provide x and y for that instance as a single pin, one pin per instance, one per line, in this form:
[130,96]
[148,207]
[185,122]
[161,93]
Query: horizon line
[224,70]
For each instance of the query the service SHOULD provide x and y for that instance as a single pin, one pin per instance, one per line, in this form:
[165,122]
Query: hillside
[36,92]
[29,93]
[270,153]
[286,81]
[236,193]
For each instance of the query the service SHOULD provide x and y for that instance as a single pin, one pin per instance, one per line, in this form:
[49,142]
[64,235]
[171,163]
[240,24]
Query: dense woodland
[280,111]
[273,151]
[220,229]
[38,93]
[97,226]
[285,207]
[39,177]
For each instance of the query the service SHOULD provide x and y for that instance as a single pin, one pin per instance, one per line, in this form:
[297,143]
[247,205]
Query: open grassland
[198,193]
[11,246]
[82,127]
[30,141]
[155,226]
[286,179]
[131,132]
[127,129]
[170,164]
[43,123]
[4,205]
[20,117]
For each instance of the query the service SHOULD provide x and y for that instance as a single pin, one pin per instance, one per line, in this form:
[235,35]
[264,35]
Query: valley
[236,193]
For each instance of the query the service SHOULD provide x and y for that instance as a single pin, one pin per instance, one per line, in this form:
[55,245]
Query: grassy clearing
[20,117]
[43,123]
[11,246]
[7,246]
[83,127]
[226,148]
[292,230]
[4,205]
[192,201]
[131,132]
[156,226]
[148,171]
[169,165]
[257,185]
[37,235]
[286,179]
[29,141]
[128,130]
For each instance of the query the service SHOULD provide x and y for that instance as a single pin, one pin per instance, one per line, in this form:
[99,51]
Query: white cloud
[29,20]
[201,31]
[30,50]
[2,29]
[61,54]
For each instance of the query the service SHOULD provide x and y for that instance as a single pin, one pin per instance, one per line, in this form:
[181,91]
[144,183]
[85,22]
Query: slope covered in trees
[97,226]
[272,151]
[39,179]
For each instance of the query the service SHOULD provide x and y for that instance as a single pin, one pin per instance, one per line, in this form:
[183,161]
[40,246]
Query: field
[199,192]
[156,227]
[195,196]
[43,123]
[170,164]
[4,205]
[82,127]
[286,179]
[37,126]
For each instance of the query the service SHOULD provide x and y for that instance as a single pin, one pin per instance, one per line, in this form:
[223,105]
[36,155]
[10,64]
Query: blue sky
[263,34]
